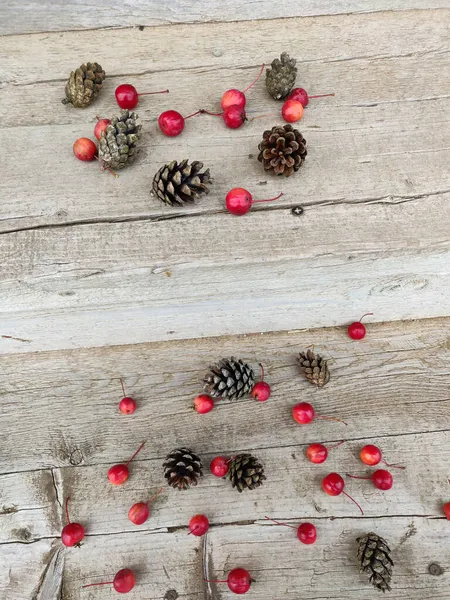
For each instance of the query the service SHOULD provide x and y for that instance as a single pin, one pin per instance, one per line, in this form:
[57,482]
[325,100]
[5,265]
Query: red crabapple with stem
[171,122]
[381,479]
[239,201]
[203,404]
[239,581]
[127,405]
[123,582]
[357,330]
[261,390]
[72,533]
[371,455]
[198,525]
[333,485]
[306,532]
[292,111]
[85,149]
[140,511]
[302,96]
[234,116]
[118,474]
[220,465]
[234,97]
[127,95]
[318,453]
[304,413]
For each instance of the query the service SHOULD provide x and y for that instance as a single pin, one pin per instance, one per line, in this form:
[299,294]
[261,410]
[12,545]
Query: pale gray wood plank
[56,15]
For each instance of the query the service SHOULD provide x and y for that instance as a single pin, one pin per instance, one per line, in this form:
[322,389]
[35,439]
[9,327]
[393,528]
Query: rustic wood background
[87,260]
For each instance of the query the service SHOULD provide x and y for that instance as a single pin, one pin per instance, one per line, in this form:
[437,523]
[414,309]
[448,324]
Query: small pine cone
[177,183]
[84,85]
[246,472]
[117,146]
[374,558]
[182,468]
[282,150]
[230,378]
[280,79]
[314,368]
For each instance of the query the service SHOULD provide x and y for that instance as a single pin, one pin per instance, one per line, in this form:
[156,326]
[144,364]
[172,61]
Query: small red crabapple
[198,525]
[302,96]
[381,479]
[84,149]
[123,582]
[118,474]
[220,466]
[234,117]
[318,453]
[239,201]
[72,533]
[371,455]
[238,580]
[446,508]
[140,511]
[357,330]
[333,485]
[304,413]
[261,390]
[172,122]
[306,532]
[100,127]
[128,97]
[235,97]
[203,404]
[127,405]
[292,111]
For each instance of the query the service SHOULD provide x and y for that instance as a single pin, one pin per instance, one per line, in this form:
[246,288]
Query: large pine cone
[177,183]
[84,85]
[230,378]
[117,146]
[314,368]
[246,472]
[280,78]
[282,150]
[374,558]
[182,468]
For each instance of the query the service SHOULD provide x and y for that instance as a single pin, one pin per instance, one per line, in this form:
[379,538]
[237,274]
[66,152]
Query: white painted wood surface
[81,250]
[392,389]
[18,16]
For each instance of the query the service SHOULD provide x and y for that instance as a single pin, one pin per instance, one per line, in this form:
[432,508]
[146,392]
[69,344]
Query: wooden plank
[35,16]
[375,187]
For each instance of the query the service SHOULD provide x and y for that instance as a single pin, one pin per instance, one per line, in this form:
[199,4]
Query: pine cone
[117,146]
[280,78]
[84,85]
[314,368]
[182,468]
[282,150]
[246,472]
[374,557]
[230,378]
[177,183]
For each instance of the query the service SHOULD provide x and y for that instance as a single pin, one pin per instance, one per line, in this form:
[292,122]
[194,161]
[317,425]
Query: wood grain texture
[57,15]
[375,187]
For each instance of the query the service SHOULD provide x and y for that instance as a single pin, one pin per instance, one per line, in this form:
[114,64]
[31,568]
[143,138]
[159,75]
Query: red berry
[171,123]
[199,525]
[239,201]
[118,474]
[123,582]
[126,95]
[84,149]
[234,117]
[72,533]
[303,413]
[235,97]
[370,455]
[139,513]
[239,581]
[261,390]
[317,453]
[220,466]
[100,127]
[127,405]
[381,478]
[447,510]
[203,404]
[333,485]
[307,533]
[292,111]
[357,330]
[300,95]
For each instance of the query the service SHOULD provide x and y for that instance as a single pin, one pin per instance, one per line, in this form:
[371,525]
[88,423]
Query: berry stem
[154,495]
[103,168]
[67,509]
[265,115]
[101,583]
[216,580]
[262,371]
[268,200]
[336,445]
[123,387]
[357,476]
[207,112]
[321,95]
[137,451]
[365,315]
[193,114]
[259,75]
[330,419]
[391,465]
[278,523]
[150,93]
[350,498]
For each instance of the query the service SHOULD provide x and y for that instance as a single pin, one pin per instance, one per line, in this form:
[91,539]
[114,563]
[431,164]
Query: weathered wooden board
[81,249]
[56,15]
